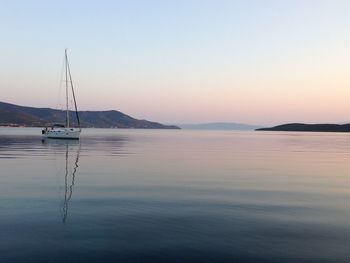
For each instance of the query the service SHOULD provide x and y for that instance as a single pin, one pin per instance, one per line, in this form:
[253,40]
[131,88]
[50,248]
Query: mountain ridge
[17,115]
[303,127]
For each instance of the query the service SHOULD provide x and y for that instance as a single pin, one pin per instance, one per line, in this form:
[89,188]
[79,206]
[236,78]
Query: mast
[66,66]
[71,83]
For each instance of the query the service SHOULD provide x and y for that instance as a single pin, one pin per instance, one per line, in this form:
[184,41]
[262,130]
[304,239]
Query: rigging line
[75,102]
[58,98]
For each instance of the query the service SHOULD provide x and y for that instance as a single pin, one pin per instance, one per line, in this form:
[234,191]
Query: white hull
[62,133]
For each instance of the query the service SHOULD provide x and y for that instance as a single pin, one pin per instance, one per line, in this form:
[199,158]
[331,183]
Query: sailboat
[64,131]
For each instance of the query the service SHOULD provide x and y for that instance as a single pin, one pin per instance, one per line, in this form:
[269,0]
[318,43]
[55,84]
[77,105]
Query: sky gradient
[258,62]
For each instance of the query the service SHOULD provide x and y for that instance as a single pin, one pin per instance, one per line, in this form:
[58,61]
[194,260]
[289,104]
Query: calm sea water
[174,196]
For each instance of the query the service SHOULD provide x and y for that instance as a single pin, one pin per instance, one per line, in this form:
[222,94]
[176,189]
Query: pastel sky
[182,61]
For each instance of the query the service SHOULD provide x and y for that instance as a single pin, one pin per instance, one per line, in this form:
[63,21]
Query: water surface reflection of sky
[174,196]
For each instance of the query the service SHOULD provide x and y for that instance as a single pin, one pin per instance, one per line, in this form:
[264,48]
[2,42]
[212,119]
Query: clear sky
[179,61]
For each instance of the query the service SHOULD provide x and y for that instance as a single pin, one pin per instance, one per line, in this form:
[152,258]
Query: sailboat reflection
[69,182]
[71,148]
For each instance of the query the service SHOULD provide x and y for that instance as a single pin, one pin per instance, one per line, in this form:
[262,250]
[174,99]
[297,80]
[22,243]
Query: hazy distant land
[15,115]
[219,126]
[302,127]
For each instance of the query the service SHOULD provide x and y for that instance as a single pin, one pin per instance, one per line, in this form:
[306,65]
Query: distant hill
[14,115]
[219,126]
[309,127]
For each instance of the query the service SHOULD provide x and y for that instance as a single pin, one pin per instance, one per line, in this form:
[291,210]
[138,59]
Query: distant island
[302,127]
[15,115]
[219,126]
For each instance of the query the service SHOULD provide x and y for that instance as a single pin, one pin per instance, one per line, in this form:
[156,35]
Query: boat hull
[63,133]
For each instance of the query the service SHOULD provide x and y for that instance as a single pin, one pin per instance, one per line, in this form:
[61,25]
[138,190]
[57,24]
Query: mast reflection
[69,184]
[71,149]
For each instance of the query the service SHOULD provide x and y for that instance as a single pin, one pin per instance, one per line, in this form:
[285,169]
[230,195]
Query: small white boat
[61,131]
[58,131]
